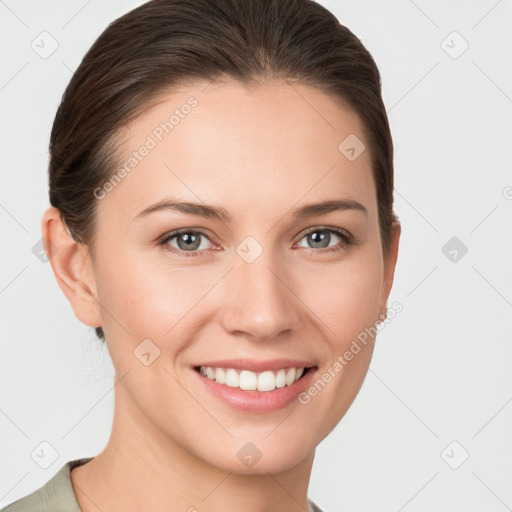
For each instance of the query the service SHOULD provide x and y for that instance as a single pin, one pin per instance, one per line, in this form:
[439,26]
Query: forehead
[264,147]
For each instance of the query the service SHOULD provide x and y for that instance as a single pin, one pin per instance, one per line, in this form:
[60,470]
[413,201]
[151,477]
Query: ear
[72,266]
[389,268]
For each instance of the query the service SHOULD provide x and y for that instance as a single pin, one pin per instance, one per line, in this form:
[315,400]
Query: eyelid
[176,232]
[337,230]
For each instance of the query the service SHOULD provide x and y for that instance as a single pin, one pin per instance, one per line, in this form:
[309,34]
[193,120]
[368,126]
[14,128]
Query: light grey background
[441,369]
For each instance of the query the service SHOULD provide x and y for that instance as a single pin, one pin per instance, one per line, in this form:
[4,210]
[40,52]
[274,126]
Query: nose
[259,300]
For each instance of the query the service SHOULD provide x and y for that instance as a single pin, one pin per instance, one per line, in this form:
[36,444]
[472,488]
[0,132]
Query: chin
[259,455]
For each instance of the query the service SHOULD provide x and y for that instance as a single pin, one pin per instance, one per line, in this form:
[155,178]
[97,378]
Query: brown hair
[166,43]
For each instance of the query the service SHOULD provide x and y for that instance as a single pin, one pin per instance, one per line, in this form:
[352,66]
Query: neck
[143,468]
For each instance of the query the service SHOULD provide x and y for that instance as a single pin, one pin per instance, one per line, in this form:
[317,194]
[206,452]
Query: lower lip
[258,401]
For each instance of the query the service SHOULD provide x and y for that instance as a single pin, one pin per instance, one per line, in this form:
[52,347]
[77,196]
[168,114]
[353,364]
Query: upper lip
[258,366]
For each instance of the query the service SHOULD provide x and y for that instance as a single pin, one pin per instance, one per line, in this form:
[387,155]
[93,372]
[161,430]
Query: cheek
[153,300]
[345,298]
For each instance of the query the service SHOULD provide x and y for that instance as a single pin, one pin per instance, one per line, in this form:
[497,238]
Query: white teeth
[220,375]
[266,381]
[290,376]
[250,381]
[281,379]
[232,378]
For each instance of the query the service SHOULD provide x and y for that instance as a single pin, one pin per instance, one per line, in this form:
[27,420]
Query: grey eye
[188,241]
[320,238]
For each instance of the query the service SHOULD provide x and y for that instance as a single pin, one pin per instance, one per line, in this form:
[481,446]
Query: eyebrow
[221,214]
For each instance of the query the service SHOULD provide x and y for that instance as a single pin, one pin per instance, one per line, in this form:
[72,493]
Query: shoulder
[56,495]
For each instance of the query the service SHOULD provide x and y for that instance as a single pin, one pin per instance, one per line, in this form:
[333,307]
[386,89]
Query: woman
[221,189]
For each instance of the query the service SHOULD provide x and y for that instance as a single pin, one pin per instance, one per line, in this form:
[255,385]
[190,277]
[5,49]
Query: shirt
[57,495]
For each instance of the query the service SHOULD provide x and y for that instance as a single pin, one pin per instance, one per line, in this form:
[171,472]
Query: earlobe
[389,267]
[72,266]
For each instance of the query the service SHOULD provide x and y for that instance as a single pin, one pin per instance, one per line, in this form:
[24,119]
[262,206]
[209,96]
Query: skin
[259,153]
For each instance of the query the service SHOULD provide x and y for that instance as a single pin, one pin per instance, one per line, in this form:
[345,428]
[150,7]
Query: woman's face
[260,283]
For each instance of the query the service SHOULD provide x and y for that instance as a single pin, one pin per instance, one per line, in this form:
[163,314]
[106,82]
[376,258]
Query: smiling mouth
[265,381]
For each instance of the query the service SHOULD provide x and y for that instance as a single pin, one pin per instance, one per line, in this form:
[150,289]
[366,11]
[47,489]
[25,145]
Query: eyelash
[345,237]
